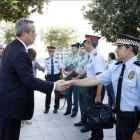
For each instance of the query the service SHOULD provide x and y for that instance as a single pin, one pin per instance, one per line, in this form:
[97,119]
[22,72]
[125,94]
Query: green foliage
[12,10]
[61,37]
[112,16]
[8,33]
[138,54]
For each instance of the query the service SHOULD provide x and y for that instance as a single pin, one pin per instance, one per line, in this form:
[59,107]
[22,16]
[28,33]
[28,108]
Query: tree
[112,16]
[61,37]
[12,10]
[138,54]
[7,33]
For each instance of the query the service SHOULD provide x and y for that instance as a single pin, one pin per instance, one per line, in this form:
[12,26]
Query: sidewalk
[56,126]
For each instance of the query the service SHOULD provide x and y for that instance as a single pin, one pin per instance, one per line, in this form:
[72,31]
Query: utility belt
[51,76]
[127,114]
[48,75]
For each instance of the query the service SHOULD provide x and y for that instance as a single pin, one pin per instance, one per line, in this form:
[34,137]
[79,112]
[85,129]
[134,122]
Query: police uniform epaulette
[95,53]
[137,63]
[118,63]
[46,58]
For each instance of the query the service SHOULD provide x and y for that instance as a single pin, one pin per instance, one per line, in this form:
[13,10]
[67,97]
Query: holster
[136,117]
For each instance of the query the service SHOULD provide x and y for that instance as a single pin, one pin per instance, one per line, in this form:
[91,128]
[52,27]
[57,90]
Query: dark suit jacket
[17,83]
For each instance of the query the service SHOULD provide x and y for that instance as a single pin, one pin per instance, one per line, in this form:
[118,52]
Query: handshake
[62,85]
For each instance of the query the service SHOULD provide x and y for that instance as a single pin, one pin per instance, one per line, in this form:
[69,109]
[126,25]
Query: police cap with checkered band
[123,39]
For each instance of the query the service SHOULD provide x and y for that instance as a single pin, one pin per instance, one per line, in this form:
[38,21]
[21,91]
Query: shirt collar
[23,44]
[112,61]
[75,55]
[91,53]
[86,55]
[130,62]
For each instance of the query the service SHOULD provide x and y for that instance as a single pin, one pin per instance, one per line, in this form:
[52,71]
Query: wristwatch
[138,130]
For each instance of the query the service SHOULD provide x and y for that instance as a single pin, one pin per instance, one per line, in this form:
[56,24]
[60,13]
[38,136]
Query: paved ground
[55,126]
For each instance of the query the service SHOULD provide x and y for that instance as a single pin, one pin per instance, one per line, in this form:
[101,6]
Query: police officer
[82,91]
[124,76]
[95,66]
[54,73]
[71,59]
[110,92]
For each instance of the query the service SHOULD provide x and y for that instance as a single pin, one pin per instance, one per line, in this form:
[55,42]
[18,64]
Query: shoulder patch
[95,53]
[118,63]
[137,63]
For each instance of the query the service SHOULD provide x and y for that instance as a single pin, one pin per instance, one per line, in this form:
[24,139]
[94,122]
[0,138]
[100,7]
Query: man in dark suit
[17,82]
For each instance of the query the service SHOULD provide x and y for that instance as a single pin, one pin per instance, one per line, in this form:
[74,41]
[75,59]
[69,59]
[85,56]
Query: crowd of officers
[88,62]
[122,83]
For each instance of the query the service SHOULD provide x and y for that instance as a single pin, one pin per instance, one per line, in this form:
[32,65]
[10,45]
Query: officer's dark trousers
[48,97]
[9,128]
[68,95]
[97,134]
[124,128]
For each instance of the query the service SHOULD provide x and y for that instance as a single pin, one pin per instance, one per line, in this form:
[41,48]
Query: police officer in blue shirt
[95,66]
[110,92]
[54,73]
[125,77]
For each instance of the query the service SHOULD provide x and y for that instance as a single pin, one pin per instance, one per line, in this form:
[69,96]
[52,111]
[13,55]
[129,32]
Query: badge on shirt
[56,61]
[131,75]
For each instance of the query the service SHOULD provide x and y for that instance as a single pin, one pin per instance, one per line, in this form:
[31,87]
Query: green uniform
[73,89]
[82,91]
[72,60]
[82,63]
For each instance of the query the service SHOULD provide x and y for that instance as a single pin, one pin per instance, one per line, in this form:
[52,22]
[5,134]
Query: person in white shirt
[110,92]
[54,73]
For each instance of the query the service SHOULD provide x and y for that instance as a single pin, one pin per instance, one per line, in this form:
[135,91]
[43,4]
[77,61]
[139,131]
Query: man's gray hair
[22,25]
[94,44]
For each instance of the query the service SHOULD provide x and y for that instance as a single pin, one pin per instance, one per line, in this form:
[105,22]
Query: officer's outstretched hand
[98,99]
[59,85]
[136,136]
[67,83]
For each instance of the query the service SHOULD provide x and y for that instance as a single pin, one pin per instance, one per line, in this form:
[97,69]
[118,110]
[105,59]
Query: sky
[69,13]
